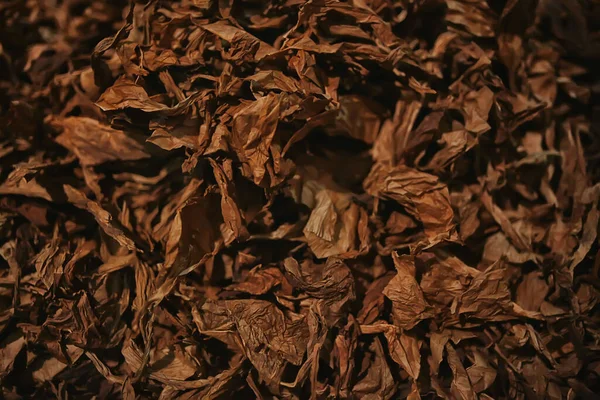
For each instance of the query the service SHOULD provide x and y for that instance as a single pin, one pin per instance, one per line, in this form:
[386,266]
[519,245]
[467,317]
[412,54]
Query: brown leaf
[269,336]
[378,381]
[94,143]
[500,217]
[239,39]
[473,16]
[394,135]
[9,350]
[373,302]
[331,284]
[24,187]
[408,303]
[233,221]
[254,129]
[461,385]
[189,244]
[260,281]
[481,374]
[532,291]
[421,194]
[325,199]
[356,118]
[335,223]
[126,94]
[405,350]
[103,217]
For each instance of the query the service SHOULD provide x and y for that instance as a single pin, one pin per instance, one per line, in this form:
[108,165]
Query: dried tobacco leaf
[299,199]
[409,306]
[94,143]
[337,226]
[421,194]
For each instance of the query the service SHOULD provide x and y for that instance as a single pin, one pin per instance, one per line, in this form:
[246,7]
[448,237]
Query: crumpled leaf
[409,306]
[232,217]
[254,130]
[94,143]
[378,381]
[189,244]
[421,194]
[473,16]
[461,385]
[394,136]
[260,281]
[240,40]
[9,350]
[206,199]
[404,350]
[331,284]
[481,374]
[103,217]
[337,226]
[268,336]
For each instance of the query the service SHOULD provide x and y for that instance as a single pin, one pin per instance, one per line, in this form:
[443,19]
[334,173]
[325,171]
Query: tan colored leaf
[423,196]
[94,143]
[408,303]
[103,217]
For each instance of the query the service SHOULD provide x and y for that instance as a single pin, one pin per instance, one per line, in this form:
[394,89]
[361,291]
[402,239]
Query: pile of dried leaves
[294,199]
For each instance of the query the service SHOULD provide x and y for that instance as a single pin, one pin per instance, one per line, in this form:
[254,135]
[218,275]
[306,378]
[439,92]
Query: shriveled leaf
[94,143]
[103,217]
[423,195]
[409,306]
